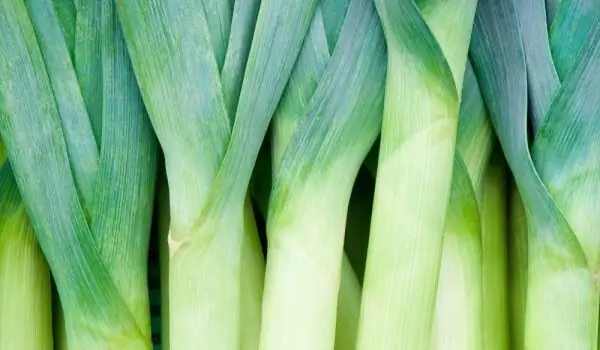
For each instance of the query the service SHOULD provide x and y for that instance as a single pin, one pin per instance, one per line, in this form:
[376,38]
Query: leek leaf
[542,77]
[67,14]
[218,15]
[87,48]
[240,38]
[79,137]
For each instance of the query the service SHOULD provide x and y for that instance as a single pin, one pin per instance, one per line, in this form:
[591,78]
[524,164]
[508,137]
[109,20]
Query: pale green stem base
[206,311]
[562,306]
[25,293]
[252,282]
[303,272]
[204,280]
[458,315]
[348,308]
[494,231]
[405,244]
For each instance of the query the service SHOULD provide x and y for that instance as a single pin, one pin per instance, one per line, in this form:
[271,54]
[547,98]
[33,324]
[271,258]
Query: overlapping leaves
[71,118]
[557,179]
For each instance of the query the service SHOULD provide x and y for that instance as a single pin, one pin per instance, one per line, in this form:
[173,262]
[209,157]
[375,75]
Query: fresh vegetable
[83,154]
[331,119]
[177,53]
[427,52]
[299,174]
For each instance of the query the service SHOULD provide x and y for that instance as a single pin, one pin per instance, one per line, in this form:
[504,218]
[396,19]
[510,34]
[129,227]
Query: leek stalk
[308,71]
[494,218]
[327,122]
[557,179]
[83,154]
[177,55]
[25,293]
[459,318]
[427,51]
[312,61]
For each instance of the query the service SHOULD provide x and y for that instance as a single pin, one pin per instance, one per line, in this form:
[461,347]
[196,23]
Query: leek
[25,297]
[494,217]
[312,62]
[427,53]
[308,71]
[459,315]
[323,130]
[214,250]
[557,179]
[83,154]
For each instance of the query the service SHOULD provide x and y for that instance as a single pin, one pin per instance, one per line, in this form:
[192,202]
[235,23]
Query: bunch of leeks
[266,111]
